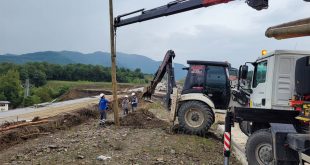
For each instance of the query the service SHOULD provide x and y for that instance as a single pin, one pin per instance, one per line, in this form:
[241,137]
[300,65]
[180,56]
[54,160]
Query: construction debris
[23,125]
[102,157]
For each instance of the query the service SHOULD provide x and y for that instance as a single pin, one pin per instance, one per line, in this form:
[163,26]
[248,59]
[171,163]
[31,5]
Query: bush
[31,100]
[44,93]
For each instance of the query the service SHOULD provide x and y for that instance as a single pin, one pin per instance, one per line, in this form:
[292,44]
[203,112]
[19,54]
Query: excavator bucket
[147,94]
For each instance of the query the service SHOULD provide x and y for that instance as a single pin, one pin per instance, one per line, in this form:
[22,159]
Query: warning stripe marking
[226,141]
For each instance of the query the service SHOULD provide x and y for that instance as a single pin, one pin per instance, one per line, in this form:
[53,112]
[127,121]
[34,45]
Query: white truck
[277,119]
[273,84]
[207,90]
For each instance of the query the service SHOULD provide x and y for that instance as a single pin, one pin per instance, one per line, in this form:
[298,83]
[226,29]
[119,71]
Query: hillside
[131,61]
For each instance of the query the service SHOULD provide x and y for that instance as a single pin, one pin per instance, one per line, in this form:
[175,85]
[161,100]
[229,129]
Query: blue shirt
[103,104]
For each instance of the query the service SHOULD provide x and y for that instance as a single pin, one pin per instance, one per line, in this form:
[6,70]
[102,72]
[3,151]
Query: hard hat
[133,94]
[126,96]
[101,94]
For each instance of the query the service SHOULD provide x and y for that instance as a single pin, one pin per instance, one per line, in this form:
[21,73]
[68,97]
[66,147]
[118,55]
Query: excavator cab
[210,78]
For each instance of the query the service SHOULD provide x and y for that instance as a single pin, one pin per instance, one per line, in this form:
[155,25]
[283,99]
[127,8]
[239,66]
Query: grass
[71,84]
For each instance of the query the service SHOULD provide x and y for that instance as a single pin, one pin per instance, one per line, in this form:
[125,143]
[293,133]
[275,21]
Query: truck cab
[273,84]
[210,78]
[273,81]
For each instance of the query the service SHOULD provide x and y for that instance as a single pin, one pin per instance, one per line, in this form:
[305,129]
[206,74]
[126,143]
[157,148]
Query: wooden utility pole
[113,67]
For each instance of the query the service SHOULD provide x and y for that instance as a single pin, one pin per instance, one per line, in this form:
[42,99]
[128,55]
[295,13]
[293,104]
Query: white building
[4,106]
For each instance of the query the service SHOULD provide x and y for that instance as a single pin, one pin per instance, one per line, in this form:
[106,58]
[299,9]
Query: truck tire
[259,148]
[195,117]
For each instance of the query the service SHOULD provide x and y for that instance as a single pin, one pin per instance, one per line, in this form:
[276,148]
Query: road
[49,110]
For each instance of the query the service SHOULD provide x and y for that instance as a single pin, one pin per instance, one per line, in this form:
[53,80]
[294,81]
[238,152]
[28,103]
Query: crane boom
[171,8]
[178,6]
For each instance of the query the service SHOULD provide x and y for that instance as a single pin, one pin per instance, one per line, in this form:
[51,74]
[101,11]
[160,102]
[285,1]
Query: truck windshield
[260,73]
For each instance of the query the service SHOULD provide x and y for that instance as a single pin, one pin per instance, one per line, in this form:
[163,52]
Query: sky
[231,32]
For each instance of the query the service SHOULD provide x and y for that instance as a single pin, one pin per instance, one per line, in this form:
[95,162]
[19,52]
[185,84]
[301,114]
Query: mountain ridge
[130,61]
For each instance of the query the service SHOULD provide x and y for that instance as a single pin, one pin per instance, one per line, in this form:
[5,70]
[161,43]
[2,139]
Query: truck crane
[277,119]
[207,90]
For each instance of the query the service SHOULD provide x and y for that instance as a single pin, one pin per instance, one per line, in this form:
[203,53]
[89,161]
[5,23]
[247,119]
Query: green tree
[31,100]
[10,87]
[2,96]
[44,93]
[28,101]
[38,78]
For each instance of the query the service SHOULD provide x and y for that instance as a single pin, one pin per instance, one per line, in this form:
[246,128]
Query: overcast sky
[230,32]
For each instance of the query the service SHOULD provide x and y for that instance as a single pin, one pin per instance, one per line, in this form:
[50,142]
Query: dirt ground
[76,93]
[144,142]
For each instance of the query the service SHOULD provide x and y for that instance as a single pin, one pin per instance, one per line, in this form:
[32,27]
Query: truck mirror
[244,71]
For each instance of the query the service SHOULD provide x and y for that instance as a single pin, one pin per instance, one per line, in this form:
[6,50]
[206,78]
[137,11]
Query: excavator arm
[165,67]
[176,7]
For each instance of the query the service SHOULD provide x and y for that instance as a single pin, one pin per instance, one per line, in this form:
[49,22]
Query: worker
[125,105]
[103,105]
[134,102]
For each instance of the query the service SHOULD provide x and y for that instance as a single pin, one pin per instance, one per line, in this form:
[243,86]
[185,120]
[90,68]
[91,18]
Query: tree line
[39,72]
[13,77]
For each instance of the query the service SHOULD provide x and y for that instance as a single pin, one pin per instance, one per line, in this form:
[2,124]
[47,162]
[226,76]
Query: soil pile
[59,122]
[76,93]
[143,118]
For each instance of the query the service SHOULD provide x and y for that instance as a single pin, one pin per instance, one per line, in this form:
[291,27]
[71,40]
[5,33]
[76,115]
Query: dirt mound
[59,122]
[76,93]
[143,118]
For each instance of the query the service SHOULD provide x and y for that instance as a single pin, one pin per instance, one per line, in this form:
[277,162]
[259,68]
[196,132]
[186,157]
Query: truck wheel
[259,148]
[195,117]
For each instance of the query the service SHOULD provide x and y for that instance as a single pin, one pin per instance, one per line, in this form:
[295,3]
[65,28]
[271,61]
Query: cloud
[228,32]
[233,32]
